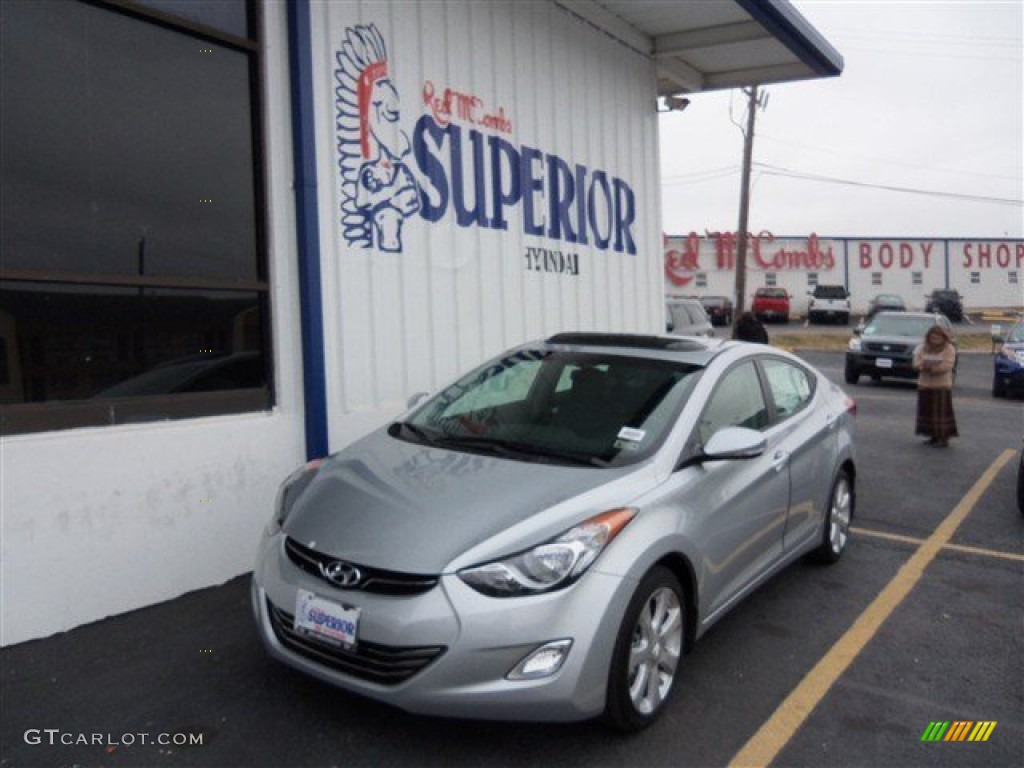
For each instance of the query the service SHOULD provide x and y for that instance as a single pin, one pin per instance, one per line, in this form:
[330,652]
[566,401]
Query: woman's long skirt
[935,418]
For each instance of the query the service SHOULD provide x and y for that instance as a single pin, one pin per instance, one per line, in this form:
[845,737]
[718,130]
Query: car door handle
[779,460]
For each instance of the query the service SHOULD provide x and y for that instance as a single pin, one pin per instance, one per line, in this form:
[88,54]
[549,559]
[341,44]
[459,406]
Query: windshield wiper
[422,434]
[517,450]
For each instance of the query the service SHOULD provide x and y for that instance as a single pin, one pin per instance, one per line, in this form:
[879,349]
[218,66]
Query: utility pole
[741,246]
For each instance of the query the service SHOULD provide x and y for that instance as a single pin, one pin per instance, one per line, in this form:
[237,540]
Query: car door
[808,438]
[737,509]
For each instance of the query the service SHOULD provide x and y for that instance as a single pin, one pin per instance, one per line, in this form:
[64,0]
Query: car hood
[391,504]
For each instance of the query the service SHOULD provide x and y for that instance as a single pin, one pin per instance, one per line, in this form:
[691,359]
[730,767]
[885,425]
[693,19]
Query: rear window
[830,292]
[772,293]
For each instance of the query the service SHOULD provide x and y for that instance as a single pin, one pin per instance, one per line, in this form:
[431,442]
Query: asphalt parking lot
[920,622]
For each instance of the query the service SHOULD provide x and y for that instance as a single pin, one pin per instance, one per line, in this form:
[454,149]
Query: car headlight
[854,344]
[290,490]
[552,565]
[1013,355]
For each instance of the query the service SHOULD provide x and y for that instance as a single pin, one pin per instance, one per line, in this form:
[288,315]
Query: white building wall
[988,273]
[100,521]
[408,318]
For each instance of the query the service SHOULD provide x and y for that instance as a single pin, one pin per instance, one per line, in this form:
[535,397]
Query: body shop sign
[458,162]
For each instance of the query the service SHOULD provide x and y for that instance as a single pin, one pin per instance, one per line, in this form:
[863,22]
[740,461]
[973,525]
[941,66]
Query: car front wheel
[851,374]
[837,520]
[648,651]
[998,388]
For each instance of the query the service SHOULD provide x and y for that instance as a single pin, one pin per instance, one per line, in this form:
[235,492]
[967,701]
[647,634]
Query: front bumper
[1010,374]
[771,314]
[880,364]
[462,643]
[828,314]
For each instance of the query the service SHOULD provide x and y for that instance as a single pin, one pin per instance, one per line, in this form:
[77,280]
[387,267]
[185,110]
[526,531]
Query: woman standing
[934,359]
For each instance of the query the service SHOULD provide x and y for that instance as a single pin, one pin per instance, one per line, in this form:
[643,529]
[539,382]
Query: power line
[788,173]
[884,161]
[698,177]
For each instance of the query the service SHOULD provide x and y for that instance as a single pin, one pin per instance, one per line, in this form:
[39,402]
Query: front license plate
[883,362]
[326,620]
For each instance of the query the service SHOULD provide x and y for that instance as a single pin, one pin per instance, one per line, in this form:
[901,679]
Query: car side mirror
[997,334]
[734,443]
[858,330]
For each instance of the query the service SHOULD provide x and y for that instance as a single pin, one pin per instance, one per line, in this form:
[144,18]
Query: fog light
[542,662]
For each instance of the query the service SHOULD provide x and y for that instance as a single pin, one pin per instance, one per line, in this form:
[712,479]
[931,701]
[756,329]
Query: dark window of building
[132,217]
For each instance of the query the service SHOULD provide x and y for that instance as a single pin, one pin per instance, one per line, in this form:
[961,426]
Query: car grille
[373,580]
[382,664]
[888,348]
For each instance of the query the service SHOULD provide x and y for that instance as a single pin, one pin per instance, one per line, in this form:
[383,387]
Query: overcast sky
[931,99]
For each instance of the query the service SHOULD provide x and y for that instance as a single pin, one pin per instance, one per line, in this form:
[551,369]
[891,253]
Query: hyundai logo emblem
[341,574]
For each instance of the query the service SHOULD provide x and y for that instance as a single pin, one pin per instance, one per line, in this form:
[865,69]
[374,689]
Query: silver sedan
[546,537]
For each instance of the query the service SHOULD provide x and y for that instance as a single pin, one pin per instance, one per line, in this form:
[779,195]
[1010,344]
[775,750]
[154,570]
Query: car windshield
[899,325]
[888,298]
[559,407]
[1016,334]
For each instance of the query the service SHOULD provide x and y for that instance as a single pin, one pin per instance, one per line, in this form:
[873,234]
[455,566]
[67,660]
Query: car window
[790,386]
[899,325]
[563,406]
[680,318]
[496,387]
[697,314]
[737,402]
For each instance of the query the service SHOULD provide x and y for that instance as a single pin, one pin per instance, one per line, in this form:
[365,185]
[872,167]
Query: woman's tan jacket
[935,369]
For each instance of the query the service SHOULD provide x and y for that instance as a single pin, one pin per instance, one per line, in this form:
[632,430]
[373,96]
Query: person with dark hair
[935,359]
[749,328]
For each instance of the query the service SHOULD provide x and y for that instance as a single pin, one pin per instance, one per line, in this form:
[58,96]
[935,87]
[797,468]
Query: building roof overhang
[707,46]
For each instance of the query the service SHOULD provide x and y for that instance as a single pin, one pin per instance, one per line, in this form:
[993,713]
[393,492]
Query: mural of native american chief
[378,189]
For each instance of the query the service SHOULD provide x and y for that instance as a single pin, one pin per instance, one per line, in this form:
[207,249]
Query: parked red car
[771,304]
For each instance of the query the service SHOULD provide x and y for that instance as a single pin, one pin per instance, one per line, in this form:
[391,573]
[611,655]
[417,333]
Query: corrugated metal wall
[408,318]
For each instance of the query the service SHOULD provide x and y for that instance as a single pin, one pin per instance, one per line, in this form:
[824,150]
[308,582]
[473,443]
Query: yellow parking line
[765,745]
[982,551]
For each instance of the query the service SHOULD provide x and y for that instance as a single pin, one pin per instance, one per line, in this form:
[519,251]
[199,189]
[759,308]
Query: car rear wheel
[648,651]
[837,520]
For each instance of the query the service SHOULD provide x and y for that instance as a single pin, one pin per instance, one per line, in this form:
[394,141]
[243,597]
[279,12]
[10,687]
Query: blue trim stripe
[314,377]
[793,30]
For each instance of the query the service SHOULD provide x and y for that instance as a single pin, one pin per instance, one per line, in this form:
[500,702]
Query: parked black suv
[946,301]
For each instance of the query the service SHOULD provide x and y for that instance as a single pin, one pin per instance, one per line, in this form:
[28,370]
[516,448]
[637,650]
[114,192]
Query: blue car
[1008,365]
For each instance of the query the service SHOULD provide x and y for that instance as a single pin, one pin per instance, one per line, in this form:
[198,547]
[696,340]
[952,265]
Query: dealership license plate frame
[326,621]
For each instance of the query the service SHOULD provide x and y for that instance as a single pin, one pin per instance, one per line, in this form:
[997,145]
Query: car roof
[909,316]
[685,349]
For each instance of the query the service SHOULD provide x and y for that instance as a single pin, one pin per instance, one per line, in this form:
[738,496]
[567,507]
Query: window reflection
[78,342]
[127,147]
